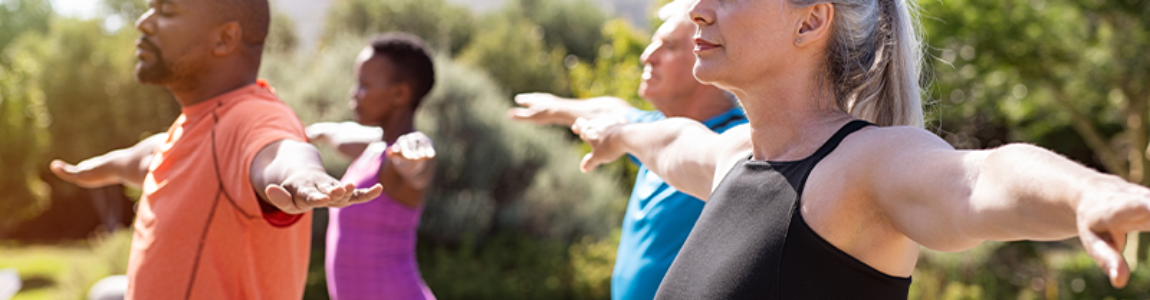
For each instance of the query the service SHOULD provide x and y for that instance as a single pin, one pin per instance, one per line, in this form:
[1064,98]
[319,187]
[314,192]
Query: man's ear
[815,23]
[227,38]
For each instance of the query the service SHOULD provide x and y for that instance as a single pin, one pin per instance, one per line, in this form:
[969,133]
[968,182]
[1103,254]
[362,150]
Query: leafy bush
[572,24]
[445,26]
[75,83]
[514,53]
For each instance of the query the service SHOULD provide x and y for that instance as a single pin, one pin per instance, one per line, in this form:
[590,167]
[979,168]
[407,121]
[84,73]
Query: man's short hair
[254,17]
[412,59]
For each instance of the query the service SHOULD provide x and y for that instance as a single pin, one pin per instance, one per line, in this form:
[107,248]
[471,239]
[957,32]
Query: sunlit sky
[76,8]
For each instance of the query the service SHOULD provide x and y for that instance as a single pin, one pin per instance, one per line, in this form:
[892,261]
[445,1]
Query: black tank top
[751,242]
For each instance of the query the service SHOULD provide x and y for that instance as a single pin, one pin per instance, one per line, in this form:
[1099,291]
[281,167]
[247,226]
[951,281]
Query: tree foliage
[1026,70]
[516,56]
[18,17]
[446,26]
[572,24]
[72,95]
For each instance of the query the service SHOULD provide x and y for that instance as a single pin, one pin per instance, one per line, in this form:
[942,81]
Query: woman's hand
[1105,215]
[412,156]
[600,134]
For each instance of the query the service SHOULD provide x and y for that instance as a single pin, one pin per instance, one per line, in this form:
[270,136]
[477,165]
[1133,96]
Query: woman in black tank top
[833,186]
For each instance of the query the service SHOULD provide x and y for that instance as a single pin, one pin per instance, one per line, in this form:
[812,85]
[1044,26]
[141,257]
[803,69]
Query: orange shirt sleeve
[245,129]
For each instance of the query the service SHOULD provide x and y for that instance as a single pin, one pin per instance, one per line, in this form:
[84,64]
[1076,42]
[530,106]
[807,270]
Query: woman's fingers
[1106,249]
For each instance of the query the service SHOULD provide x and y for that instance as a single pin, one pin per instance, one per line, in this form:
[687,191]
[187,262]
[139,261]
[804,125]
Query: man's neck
[195,94]
[704,104]
[220,77]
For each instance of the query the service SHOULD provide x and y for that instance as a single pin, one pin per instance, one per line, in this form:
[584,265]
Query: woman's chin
[706,74]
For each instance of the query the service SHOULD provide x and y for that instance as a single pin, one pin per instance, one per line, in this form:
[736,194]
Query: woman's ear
[815,23]
[401,94]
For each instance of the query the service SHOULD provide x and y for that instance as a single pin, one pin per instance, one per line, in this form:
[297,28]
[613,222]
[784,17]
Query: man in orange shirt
[227,190]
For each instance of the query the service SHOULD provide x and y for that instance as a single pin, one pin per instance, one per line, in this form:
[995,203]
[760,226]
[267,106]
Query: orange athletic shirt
[200,237]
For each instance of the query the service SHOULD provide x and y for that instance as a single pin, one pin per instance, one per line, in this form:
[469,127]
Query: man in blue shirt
[658,217]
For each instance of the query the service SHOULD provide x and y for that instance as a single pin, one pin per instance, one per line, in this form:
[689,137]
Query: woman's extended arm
[348,138]
[952,200]
[682,151]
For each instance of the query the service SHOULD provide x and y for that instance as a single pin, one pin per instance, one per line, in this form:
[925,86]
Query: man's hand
[126,166]
[599,133]
[304,191]
[542,108]
[289,175]
[92,173]
[548,109]
[412,156]
[1105,214]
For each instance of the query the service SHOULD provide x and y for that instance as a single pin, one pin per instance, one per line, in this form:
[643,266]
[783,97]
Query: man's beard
[158,73]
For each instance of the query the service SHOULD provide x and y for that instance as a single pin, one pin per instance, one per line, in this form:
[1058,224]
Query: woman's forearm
[1026,192]
[681,151]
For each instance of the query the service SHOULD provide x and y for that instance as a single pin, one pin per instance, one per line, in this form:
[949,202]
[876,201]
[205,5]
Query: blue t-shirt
[657,222]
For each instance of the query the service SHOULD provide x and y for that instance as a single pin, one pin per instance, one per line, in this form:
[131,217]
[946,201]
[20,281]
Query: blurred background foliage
[510,217]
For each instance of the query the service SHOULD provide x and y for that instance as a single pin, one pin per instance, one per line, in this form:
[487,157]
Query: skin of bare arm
[938,197]
[548,109]
[408,169]
[350,139]
[682,151]
[952,200]
[126,166]
[289,175]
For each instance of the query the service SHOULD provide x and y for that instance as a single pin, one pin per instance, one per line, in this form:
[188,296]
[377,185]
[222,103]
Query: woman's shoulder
[895,137]
[876,146]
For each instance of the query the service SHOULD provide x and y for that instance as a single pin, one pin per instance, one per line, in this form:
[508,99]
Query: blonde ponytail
[874,60]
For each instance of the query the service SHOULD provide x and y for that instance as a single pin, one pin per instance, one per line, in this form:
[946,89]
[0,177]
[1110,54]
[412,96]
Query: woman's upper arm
[923,186]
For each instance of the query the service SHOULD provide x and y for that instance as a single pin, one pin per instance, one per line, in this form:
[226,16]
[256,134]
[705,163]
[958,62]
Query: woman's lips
[702,45]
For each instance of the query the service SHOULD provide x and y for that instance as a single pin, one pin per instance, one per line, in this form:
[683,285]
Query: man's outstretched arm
[289,175]
[126,166]
[548,109]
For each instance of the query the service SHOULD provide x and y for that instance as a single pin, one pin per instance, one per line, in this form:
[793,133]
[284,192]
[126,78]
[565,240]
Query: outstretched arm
[289,175]
[124,166]
[547,109]
[408,169]
[682,151]
[952,200]
[349,138]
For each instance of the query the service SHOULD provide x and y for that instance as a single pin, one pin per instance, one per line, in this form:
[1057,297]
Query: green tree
[514,53]
[81,90]
[616,71]
[1041,64]
[20,16]
[1069,75]
[445,26]
[23,124]
[573,24]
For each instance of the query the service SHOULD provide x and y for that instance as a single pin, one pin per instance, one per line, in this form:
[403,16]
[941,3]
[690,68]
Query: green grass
[66,271]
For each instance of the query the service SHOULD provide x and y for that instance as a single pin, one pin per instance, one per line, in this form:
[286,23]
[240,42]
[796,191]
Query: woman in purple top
[371,246]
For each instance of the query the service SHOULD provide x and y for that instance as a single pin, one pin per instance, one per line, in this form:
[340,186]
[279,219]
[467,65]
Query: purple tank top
[371,246]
